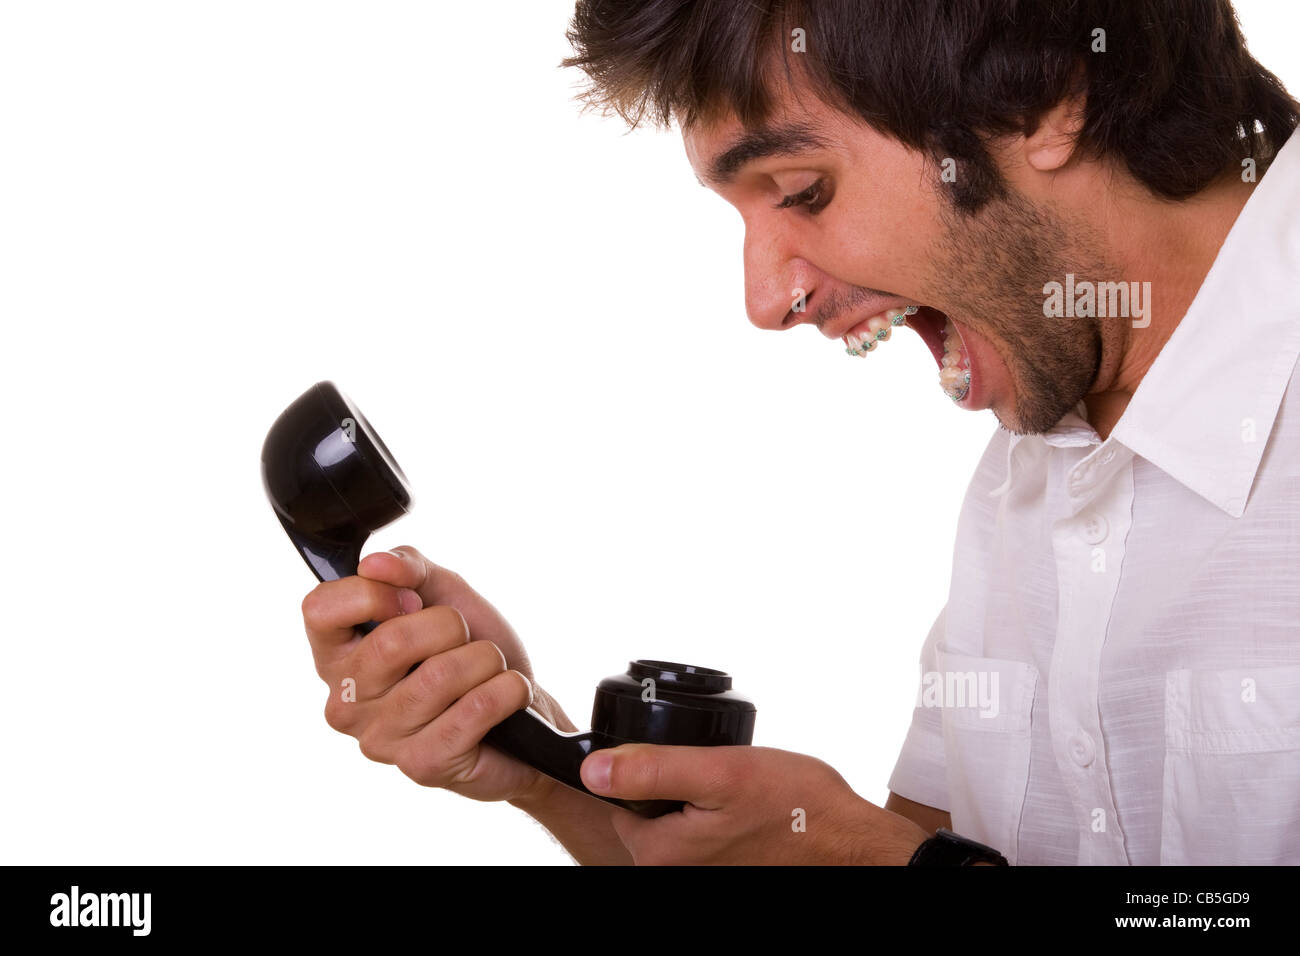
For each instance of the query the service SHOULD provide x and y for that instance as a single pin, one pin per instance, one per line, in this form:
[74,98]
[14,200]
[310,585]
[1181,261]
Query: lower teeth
[956,391]
[957,386]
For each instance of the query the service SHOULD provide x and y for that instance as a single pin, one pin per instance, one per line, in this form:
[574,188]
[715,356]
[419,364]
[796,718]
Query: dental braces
[964,388]
[870,344]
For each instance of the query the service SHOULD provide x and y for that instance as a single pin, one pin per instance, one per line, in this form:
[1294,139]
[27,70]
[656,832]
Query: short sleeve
[920,774]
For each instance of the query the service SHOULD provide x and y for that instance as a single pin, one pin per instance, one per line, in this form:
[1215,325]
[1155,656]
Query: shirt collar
[1205,409]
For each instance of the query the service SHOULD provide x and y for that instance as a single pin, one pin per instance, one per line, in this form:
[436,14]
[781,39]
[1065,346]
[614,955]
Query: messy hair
[1171,90]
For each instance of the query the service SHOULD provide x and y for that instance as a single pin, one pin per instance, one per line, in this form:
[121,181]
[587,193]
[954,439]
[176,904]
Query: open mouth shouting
[941,335]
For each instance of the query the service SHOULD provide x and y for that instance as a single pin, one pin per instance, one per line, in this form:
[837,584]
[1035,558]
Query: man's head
[945,154]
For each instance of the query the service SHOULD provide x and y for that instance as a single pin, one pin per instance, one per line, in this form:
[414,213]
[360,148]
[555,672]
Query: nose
[778,284]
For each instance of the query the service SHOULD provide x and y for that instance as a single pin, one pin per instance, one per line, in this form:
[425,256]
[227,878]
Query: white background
[206,207]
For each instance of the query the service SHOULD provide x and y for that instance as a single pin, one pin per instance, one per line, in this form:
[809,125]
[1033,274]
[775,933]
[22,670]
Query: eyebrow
[790,139]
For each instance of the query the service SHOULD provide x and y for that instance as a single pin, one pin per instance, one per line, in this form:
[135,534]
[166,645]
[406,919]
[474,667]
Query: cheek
[896,261]
[860,249]
[890,239]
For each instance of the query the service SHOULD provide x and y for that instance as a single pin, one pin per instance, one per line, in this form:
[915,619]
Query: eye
[815,198]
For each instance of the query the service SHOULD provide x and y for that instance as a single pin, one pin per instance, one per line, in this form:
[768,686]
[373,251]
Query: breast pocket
[1232,767]
[986,704]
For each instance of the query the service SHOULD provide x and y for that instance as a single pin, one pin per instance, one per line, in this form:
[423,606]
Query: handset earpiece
[333,482]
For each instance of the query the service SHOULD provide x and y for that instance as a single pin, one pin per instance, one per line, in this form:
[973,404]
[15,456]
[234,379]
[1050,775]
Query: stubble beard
[997,261]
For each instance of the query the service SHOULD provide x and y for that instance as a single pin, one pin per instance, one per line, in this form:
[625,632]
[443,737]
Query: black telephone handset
[333,482]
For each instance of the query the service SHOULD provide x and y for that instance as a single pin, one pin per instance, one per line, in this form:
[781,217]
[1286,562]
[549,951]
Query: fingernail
[409,601]
[596,770]
[397,554]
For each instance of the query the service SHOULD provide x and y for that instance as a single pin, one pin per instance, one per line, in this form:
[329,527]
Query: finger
[389,652]
[406,567]
[697,775]
[332,610]
[435,685]
[444,751]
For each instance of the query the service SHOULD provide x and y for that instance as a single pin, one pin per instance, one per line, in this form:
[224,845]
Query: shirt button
[1082,749]
[1106,458]
[1094,528]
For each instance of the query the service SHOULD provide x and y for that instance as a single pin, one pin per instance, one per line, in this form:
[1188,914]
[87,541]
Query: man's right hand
[421,690]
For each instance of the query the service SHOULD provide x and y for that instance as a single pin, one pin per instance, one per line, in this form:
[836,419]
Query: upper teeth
[954,376]
[876,329]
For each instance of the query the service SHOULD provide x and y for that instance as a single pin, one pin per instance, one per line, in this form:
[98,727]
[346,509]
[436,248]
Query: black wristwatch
[946,848]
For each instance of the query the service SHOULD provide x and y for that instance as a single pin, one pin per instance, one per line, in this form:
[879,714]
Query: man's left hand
[746,805]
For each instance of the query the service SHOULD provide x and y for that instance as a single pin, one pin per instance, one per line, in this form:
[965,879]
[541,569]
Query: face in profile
[849,231]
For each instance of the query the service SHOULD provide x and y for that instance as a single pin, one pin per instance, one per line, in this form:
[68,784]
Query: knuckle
[314,607]
[374,745]
[417,685]
[725,773]
[450,733]
[417,689]
[338,713]
[388,643]
[649,773]
[481,702]
[441,670]
[638,772]
[410,701]
[730,770]
[427,765]
[416,766]
[721,781]
[332,716]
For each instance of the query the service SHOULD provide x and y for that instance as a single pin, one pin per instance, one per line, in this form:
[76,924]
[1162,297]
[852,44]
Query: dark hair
[1175,95]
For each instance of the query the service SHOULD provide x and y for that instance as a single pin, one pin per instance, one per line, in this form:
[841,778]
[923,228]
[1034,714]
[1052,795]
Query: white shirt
[1130,608]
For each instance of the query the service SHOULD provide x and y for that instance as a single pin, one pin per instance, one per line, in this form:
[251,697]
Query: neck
[1170,245]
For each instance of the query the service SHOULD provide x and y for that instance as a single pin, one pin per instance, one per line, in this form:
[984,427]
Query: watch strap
[946,848]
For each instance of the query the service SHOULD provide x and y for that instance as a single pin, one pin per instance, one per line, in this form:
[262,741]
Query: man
[1090,212]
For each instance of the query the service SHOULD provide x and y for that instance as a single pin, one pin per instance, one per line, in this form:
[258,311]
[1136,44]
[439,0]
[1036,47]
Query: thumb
[697,775]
